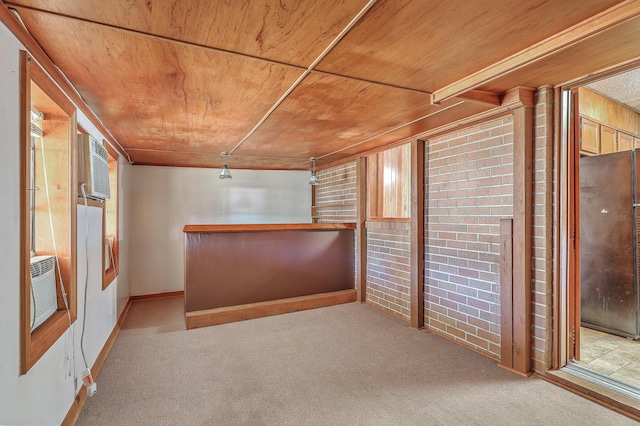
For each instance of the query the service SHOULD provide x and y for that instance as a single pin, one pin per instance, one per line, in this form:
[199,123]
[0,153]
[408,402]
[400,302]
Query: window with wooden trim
[389,183]
[110,223]
[48,213]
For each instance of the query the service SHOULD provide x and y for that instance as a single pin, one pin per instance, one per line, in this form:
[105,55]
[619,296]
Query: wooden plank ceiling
[275,82]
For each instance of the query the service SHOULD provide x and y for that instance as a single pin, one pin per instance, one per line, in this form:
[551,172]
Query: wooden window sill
[108,277]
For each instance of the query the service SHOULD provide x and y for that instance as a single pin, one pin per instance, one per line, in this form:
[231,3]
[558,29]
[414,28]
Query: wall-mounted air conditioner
[43,289]
[93,168]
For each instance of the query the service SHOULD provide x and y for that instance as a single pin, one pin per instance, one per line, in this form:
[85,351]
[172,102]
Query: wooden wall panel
[231,265]
[606,111]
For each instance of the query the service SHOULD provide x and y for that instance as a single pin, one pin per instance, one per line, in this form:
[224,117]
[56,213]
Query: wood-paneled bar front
[239,272]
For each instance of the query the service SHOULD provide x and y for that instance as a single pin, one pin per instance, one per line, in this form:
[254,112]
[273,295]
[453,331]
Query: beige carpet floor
[342,365]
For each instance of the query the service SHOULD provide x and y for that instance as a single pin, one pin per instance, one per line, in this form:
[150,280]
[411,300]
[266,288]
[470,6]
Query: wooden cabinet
[589,136]
[596,138]
[625,142]
[608,141]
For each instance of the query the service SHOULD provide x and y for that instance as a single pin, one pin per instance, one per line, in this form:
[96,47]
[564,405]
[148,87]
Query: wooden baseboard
[81,397]
[156,296]
[248,311]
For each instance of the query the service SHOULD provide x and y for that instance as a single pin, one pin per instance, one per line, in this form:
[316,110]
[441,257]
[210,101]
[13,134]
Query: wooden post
[522,209]
[417,234]
[361,234]
[506,293]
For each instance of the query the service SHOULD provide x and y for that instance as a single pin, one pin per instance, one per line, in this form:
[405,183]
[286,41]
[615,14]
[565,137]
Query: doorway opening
[601,124]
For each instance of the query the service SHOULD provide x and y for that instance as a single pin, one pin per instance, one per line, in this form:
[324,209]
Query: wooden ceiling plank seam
[15,25]
[588,28]
[364,80]
[153,36]
[217,49]
[331,45]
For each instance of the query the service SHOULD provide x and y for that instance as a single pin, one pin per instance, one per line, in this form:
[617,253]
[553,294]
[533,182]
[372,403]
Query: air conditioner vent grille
[93,171]
[42,266]
[44,301]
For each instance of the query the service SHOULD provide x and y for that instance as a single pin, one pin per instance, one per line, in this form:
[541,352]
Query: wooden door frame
[566,289]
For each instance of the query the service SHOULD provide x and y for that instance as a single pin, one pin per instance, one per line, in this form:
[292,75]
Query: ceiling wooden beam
[599,23]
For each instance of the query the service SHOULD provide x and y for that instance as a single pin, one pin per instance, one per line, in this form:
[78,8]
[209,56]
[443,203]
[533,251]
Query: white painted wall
[165,199]
[45,394]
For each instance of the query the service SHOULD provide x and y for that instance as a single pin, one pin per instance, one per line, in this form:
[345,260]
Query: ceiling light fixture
[314,177]
[226,174]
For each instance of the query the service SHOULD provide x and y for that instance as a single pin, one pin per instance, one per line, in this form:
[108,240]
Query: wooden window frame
[112,205]
[108,275]
[50,100]
[378,204]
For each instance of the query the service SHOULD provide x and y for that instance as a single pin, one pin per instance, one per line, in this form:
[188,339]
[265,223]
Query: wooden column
[522,211]
[417,234]
[361,233]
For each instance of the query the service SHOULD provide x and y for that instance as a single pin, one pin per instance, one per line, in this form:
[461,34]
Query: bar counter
[236,272]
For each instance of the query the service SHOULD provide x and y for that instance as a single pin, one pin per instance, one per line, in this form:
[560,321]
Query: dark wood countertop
[268,227]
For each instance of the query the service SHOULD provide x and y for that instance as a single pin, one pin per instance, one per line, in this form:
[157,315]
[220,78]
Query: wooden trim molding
[229,314]
[268,227]
[157,296]
[361,229]
[417,234]
[506,293]
[389,219]
[522,230]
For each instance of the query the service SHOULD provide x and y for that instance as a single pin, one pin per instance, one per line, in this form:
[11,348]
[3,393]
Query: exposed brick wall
[542,251]
[469,188]
[388,266]
[335,196]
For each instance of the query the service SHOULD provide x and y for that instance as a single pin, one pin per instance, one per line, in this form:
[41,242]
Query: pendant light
[226,174]
[314,177]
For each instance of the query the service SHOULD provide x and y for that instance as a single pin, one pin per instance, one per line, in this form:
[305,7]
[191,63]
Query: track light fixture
[314,177]
[226,174]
